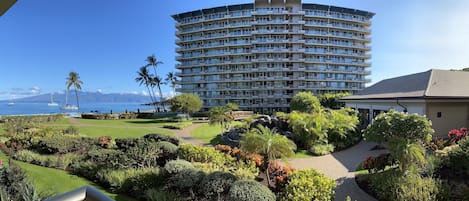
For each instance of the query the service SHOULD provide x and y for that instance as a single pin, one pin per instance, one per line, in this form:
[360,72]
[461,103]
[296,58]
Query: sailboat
[52,103]
[68,106]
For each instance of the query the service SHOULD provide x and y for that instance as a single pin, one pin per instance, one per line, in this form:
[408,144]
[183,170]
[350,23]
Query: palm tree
[269,144]
[158,81]
[172,79]
[144,78]
[74,79]
[220,115]
[152,61]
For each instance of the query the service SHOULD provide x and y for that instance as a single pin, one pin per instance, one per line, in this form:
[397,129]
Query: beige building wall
[447,116]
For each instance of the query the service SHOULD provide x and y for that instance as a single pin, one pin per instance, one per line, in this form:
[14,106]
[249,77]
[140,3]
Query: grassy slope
[57,181]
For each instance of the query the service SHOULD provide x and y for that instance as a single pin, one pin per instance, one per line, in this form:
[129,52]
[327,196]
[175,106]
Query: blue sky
[106,41]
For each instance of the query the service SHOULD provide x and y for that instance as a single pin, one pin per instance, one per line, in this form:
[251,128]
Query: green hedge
[250,190]
[53,161]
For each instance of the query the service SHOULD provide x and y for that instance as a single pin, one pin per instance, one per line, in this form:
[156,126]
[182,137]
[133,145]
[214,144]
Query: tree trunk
[76,95]
[151,97]
[161,97]
[267,173]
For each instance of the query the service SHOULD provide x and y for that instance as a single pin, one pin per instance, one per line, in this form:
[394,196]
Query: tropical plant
[216,184]
[73,79]
[305,102]
[250,190]
[144,78]
[172,79]
[176,166]
[158,81]
[309,184]
[186,103]
[332,101]
[220,115]
[269,144]
[405,134]
[309,129]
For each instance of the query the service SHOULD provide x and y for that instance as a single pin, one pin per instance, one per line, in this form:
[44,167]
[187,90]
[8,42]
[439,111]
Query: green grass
[210,133]
[302,154]
[55,181]
[96,131]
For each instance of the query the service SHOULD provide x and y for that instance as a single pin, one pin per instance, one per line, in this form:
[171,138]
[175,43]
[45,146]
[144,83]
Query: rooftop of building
[433,83]
[251,6]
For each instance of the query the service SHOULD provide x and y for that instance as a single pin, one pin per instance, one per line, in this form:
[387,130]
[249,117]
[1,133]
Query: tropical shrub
[108,158]
[457,134]
[379,163]
[168,151]
[250,190]
[305,102]
[309,129]
[344,122]
[126,143]
[146,154]
[242,170]
[14,185]
[216,184]
[176,166]
[332,100]
[186,180]
[71,130]
[64,144]
[393,185]
[132,181]
[279,174]
[104,141]
[308,184]
[161,137]
[321,149]
[54,161]
[155,194]
[405,134]
[458,158]
[202,154]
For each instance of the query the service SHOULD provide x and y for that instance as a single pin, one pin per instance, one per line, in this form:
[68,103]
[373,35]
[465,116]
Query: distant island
[88,97]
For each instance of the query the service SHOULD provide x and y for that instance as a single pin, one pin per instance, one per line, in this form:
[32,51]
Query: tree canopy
[186,103]
[331,100]
[305,102]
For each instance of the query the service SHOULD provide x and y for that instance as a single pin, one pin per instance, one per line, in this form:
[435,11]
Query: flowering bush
[279,174]
[455,135]
[375,164]
[233,151]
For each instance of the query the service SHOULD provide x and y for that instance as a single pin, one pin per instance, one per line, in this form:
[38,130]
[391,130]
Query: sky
[106,41]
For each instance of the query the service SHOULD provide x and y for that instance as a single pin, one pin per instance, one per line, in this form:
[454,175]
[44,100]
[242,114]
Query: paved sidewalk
[185,135]
[340,166]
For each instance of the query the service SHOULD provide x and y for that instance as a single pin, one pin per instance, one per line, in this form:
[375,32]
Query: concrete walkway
[340,166]
[185,134]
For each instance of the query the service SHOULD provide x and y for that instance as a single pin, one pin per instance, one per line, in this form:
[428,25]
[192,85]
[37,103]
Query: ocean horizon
[36,108]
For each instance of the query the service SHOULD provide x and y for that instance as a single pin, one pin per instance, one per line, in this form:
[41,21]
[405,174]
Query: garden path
[341,167]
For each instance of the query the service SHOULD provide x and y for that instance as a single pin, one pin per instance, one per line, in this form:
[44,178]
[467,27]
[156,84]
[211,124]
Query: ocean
[24,108]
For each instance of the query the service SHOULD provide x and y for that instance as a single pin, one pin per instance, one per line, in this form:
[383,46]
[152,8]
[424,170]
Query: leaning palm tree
[269,144]
[158,81]
[144,78]
[220,115]
[74,79]
[172,79]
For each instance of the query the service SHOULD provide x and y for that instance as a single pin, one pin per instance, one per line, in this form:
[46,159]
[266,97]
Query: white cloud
[144,93]
[99,91]
[35,90]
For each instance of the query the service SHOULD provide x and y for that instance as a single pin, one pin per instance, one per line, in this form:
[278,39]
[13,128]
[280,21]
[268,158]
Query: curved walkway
[341,167]
[185,134]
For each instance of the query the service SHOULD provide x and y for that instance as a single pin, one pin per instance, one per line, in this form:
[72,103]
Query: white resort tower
[260,55]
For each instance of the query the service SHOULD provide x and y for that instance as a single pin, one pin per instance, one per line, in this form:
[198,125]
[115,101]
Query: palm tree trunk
[151,98]
[267,173]
[161,97]
[76,95]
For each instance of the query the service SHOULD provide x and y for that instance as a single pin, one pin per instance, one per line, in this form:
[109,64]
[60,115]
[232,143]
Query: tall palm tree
[269,144]
[158,81]
[153,62]
[144,78]
[220,115]
[172,79]
[74,79]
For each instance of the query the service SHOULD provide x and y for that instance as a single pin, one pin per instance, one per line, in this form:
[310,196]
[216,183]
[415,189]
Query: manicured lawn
[210,133]
[57,181]
[96,131]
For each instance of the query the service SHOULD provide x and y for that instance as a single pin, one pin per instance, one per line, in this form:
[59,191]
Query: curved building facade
[260,55]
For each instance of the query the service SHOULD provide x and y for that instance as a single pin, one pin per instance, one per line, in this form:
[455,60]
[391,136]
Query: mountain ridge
[89,97]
